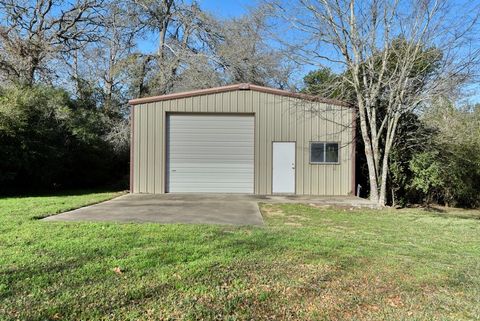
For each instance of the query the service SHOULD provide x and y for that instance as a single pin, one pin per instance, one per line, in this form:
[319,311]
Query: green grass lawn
[306,264]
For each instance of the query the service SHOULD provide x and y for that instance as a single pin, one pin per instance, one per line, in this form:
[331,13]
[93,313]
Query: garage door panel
[200,151]
[207,173]
[211,153]
[210,158]
[203,167]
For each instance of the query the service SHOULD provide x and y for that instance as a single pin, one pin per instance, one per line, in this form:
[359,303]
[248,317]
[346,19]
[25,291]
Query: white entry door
[283,167]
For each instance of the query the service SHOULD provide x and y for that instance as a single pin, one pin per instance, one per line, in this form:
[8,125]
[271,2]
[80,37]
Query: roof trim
[241,86]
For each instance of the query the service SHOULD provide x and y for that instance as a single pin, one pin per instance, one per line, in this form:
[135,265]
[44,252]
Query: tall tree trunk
[369,154]
[390,137]
[383,185]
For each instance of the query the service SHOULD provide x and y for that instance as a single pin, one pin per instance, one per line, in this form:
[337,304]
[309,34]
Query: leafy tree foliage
[449,169]
[50,141]
[322,82]
[427,173]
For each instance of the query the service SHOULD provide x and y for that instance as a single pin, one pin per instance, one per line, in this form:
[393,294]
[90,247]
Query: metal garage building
[242,139]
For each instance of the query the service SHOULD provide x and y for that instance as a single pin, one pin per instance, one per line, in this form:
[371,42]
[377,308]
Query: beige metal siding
[277,118]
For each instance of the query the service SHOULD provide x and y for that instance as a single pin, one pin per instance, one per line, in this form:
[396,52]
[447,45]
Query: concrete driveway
[171,208]
[236,209]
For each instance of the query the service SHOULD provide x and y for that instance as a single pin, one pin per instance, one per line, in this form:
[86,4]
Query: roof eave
[241,86]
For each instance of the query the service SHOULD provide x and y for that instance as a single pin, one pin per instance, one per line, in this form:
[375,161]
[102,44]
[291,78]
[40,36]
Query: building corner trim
[132,147]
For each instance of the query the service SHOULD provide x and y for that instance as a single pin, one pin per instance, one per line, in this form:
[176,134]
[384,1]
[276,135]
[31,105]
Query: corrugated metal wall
[277,118]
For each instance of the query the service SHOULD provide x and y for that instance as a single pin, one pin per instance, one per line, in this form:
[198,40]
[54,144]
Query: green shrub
[48,141]
[427,174]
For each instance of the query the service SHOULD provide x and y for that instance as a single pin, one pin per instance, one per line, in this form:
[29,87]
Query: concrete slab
[176,209]
[236,209]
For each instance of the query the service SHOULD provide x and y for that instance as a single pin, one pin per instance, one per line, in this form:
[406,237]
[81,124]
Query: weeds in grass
[307,263]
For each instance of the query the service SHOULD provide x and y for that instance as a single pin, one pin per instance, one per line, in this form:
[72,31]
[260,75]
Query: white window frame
[324,153]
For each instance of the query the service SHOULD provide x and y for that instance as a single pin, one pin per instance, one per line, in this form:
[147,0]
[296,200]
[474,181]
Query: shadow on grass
[74,207]
[445,212]
[434,209]
[60,193]
[460,216]
[465,214]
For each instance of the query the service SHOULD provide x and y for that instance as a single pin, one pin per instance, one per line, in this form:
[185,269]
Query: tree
[385,49]
[448,171]
[414,137]
[182,31]
[106,58]
[49,141]
[320,82]
[32,35]
[243,52]
[196,50]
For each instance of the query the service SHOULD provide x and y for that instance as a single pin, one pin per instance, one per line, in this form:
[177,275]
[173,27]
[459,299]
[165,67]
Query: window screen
[321,152]
[331,153]
[317,153]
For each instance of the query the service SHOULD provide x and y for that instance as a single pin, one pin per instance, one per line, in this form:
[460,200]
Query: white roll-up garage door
[210,153]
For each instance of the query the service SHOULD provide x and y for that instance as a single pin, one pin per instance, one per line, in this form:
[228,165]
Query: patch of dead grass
[293,291]
[272,210]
